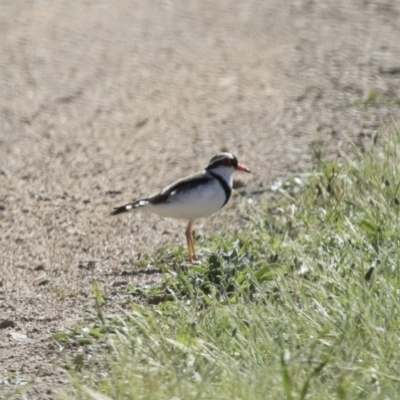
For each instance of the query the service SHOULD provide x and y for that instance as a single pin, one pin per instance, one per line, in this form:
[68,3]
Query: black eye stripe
[222,162]
[223,159]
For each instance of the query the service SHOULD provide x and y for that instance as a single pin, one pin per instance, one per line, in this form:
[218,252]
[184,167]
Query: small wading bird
[196,196]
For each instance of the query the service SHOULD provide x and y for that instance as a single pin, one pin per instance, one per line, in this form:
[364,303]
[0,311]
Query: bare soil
[103,102]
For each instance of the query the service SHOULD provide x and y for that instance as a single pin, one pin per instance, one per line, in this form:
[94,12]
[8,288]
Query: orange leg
[189,239]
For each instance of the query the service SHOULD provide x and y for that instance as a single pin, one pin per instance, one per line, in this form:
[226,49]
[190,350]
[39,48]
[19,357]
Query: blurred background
[105,102]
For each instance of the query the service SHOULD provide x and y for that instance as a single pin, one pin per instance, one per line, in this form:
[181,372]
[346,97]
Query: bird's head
[225,164]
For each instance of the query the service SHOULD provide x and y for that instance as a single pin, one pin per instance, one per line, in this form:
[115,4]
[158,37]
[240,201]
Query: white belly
[192,204]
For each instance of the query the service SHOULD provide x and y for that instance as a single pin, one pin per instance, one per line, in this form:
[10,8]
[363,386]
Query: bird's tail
[130,206]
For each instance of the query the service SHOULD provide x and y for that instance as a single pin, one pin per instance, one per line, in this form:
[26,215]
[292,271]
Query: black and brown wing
[178,187]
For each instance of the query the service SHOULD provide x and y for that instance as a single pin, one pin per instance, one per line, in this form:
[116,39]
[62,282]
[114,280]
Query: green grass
[302,305]
[375,98]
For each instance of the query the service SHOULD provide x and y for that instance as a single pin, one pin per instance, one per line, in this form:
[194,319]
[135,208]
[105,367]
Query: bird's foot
[193,259]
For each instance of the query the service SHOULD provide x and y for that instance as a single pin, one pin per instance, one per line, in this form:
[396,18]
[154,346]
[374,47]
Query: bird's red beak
[241,167]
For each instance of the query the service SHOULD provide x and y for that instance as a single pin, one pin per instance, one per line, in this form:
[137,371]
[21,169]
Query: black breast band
[224,184]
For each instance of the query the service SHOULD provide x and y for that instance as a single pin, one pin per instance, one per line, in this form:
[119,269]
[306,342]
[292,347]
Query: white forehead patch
[222,156]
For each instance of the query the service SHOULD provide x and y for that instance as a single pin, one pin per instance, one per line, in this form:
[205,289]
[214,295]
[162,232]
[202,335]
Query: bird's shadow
[147,272]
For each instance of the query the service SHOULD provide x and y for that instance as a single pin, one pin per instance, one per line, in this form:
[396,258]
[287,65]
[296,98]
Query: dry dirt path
[101,96]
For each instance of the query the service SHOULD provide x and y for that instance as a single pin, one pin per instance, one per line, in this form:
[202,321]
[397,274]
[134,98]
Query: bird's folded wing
[180,186]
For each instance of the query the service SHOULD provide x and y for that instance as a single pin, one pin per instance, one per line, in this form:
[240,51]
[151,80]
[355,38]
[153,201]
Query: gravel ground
[102,102]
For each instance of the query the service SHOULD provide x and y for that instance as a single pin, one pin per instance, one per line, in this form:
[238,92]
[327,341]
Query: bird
[195,196]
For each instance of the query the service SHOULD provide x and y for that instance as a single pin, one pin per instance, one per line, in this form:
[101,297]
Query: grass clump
[304,304]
